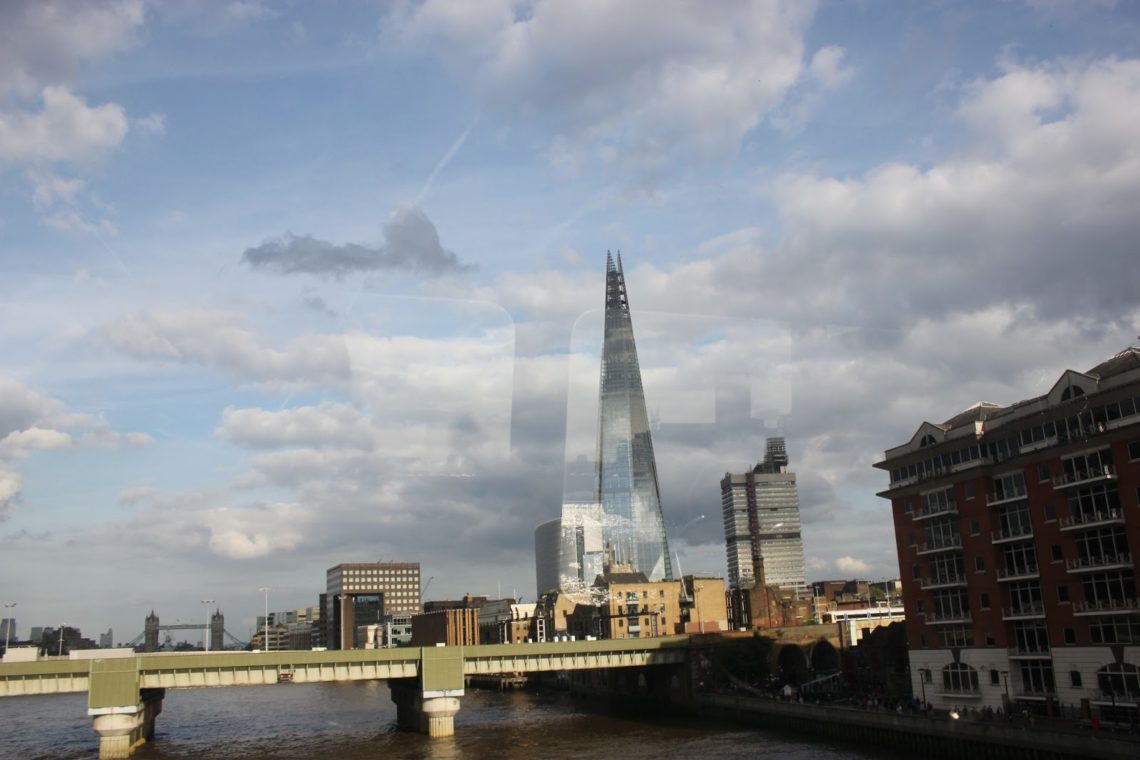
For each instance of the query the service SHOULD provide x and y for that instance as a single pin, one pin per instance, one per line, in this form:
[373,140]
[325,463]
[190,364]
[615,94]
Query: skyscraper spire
[627,487]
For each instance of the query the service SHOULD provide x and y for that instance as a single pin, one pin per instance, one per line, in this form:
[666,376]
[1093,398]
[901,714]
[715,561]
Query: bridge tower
[217,631]
[150,642]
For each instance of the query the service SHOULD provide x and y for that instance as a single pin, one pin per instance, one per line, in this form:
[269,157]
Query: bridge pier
[122,729]
[428,713]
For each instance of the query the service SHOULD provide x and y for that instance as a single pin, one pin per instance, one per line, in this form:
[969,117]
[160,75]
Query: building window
[917,572]
[968,490]
[922,643]
[920,606]
[1119,680]
[1050,512]
[984,601]
[960,677]
[957,636]
[1075,678]
[979,564]
[1134,451]
[1058,555]
[975,528]
[1043,475]
[995,678]
[1030,637]
[1070,636]
[1119,629]
[990,641]
[1062,594]
[926,675]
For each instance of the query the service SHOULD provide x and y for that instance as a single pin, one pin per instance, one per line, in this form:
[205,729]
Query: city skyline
[288,286]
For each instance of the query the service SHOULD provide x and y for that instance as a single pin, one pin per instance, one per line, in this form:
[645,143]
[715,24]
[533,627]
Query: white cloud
[31,422]
[65,129]
[49,189]
[138,439]
[249,10]
[1036,208]
[852,565]
[827,67]
[151,124]
[43,44]
[19,442]
[327,424]
[250,533]
[136,494]
[73,221]
[631,83]
[47,40]
[11,484]
[222,341]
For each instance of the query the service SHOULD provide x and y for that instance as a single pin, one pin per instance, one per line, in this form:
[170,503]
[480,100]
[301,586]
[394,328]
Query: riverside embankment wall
[923,736]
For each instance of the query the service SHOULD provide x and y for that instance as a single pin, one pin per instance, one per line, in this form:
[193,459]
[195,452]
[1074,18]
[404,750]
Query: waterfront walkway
[929,735]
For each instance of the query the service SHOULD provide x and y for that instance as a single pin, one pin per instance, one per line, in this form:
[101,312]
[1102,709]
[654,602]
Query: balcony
[1103,562]
[1012,533]
[1035,693]
[941,544]
[925,513]
[949,618]
[965,691]
[1092,520]
[929,583]
[1023,611]
[1081,477]
[1107,607]
[1119,695]
[1015,494]
[1024,572]
[1026,653]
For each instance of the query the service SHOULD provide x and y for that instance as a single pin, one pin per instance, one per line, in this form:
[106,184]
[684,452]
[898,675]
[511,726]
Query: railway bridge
[124,693]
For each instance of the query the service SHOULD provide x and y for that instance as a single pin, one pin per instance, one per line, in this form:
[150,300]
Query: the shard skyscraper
[633,528]
[611,509]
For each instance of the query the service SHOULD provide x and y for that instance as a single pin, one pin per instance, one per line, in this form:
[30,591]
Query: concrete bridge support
[422,713]
[428,704]
[123,729]
[122,714]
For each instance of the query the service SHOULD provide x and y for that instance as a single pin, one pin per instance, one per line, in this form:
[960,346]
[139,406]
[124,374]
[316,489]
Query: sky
[285,284]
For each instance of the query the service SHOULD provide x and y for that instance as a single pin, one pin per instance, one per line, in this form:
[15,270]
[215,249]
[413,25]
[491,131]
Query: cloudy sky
[288,285]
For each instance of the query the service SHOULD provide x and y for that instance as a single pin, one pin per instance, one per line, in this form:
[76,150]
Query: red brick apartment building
[1018,532]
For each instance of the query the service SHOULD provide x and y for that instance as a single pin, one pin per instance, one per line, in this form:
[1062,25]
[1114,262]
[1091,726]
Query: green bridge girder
[110,680]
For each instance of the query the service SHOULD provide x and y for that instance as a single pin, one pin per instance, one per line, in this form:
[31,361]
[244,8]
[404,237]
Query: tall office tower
[362,593]
[1017,530]
[762,523]
[633,528]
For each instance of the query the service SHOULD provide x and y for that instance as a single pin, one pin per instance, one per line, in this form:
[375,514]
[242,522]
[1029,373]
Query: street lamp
[697,604]
[61,627]
[206,636]
[265,638]
[8,627]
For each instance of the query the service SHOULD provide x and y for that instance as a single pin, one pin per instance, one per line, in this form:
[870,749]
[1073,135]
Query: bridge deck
[207,669]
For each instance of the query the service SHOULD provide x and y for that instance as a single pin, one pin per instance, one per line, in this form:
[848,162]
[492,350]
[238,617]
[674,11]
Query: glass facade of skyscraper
[633,528]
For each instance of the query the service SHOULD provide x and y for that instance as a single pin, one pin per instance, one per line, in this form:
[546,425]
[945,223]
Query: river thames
[354,721]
